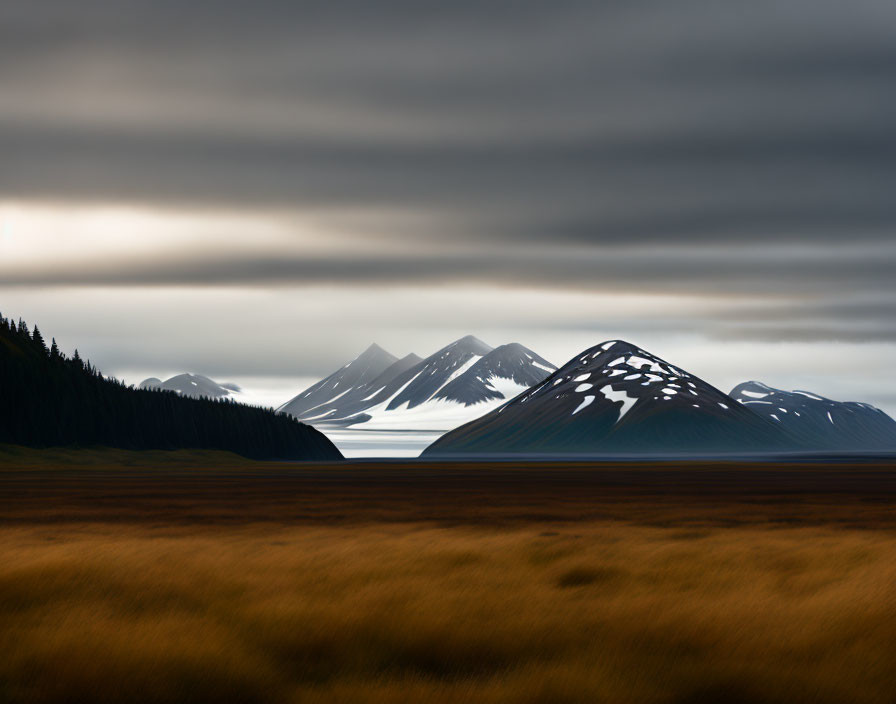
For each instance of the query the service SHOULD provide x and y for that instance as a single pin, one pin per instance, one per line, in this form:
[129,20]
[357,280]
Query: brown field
[189,578]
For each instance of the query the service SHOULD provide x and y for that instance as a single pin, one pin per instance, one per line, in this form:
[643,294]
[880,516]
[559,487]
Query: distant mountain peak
[364,368]
[819,422]
[468,344]
[192,385]
[488,377]
[374,356]
[374,350]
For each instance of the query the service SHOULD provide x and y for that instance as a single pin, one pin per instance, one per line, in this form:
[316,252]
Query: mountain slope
[315,400]
[818,422]
[486,378]
[352,400]
[615,398]
[458,382]
[428,378]
[49,400]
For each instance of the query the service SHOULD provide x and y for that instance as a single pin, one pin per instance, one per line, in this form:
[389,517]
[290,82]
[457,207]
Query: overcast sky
[262,189]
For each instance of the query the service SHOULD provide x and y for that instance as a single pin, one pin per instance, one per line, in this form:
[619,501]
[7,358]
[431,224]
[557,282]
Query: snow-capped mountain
[817,422]
[455,384]
[317,400]
[193,385]
[616,398]
[500,374]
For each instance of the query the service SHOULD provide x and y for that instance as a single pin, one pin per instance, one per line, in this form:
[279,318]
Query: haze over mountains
[457,383]
[618,398]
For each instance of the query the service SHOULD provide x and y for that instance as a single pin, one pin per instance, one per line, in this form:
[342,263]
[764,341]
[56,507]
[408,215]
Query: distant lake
[381,443]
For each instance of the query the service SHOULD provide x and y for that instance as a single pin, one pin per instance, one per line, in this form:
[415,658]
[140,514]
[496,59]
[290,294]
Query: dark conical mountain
[817,422]
[47,400]
[615,398]
[458,382]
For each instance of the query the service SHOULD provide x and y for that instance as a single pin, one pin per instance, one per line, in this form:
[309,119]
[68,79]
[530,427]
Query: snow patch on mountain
[455,384]
[627,401]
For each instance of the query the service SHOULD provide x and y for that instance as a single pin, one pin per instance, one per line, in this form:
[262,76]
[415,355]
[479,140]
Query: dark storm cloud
[573,121]
[709,271]
[577,191]
[515,125]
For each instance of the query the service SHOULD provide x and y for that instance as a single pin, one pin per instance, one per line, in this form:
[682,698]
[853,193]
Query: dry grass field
[130,579]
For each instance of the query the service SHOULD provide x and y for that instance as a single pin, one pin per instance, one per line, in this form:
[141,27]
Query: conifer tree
[39,339]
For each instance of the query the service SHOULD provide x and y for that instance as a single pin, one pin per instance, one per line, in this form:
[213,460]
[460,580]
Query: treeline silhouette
[48,399]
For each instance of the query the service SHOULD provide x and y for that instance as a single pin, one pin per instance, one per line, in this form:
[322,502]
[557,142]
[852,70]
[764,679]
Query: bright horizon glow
[39,234]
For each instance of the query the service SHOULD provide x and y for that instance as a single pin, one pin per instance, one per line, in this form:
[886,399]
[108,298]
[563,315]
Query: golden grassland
[250,601]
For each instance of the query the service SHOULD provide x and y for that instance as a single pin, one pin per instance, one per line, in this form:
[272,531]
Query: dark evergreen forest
[48,400]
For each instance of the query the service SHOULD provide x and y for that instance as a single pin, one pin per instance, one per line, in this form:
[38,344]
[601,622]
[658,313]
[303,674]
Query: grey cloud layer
[621,135]
[703,270]
[582,121]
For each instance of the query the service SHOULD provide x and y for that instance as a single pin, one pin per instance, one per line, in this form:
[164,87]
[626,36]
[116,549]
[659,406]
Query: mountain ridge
[458,381]
[192,385]
[820,422]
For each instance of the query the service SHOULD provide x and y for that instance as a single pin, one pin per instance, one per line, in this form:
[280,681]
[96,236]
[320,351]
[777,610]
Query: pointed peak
[620,346]
[374,348]
[513,348]
[471,343]
[374,351]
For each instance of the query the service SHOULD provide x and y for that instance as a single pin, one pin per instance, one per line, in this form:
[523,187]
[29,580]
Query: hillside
[818,422]
[49,400]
